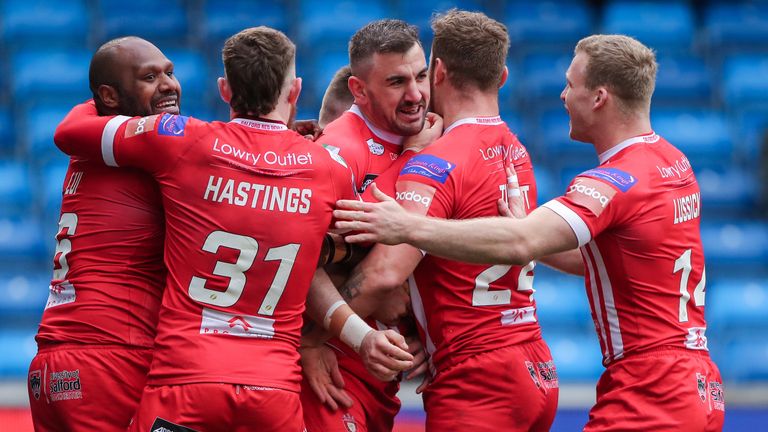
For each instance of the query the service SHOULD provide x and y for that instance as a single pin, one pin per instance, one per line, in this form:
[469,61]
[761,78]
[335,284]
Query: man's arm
[80,133]
[496,240]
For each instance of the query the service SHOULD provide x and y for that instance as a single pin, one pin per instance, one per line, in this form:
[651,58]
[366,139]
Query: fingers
[356,238]
[338,397]
[353,205]
[424,383]
[503,208]
[379,195]
[336,378]
[322,394]
[397,348]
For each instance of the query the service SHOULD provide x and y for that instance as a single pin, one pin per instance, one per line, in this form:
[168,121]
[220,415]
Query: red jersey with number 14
[465,309]
[636,217]
[246,204]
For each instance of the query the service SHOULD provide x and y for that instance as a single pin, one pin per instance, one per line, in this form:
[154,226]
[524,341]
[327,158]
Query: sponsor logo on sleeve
[163,425]
[375,147]
[616,177]
[139,126]
[431,167]
[367,180]
[34,383]
[414,196]
[172,125]
[590,193]
[334,152]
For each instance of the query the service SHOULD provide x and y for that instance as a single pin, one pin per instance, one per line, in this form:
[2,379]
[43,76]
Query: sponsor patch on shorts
[717,395]
[163,425]
[64,385]
[172,125]
[429,166]
[34,383]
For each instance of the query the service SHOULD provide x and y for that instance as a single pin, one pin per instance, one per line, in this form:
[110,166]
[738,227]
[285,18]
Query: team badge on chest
[375,147]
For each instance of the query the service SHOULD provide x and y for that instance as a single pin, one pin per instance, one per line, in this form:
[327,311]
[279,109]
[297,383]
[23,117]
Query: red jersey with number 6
[246,205]
[637,217]
[465,309]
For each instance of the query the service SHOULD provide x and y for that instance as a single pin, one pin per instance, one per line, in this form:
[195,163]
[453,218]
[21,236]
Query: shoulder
[430,165]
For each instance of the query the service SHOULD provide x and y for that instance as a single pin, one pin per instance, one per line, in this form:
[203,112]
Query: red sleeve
[79,134]
[386,181]
[420,180]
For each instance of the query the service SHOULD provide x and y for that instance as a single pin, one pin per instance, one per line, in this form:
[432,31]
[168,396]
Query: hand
[383,222]
[321,369]
[309,128]
[385,354]
[433,128]
[514,206]
[420,364]
[393,306]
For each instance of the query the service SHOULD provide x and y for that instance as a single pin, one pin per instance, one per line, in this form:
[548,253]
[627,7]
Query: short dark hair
[256,62]
[380,37]
[472,46]
[337,98]
[102,69]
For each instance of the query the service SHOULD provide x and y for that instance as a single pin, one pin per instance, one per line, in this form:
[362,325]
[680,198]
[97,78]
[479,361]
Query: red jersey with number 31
[637,217]
[465,309]
[246,204]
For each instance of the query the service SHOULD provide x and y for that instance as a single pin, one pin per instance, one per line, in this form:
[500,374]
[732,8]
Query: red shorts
[511,389]
[674,389]
[86,388]
[371,411]
[218,407]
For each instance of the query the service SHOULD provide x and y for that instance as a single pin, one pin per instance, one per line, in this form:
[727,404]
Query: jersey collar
[260,124]
[488,121]
[386,136]
[611,152]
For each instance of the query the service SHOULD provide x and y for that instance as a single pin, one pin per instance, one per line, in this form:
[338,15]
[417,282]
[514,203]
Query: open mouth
[411,113]
[168,105]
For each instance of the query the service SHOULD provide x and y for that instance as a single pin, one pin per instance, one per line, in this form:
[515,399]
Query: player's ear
[293,94]
[109,96]
[504,76]
[439,71]
[601,97]
[224,90]
[357,88]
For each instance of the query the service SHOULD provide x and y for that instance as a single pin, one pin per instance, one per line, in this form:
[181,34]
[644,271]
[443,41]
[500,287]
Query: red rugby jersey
[247,204]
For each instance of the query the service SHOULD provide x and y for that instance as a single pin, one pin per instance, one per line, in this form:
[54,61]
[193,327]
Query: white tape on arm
[108,139]
[354,331]
[329,313]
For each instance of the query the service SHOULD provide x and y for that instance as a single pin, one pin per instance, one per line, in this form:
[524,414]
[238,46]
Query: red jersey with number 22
[247,204]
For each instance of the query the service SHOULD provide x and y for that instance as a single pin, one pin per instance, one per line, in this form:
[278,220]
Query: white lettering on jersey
[687,208]
[73,183]
[677,169]
[269,158]
[273,198]
[413,196]
[219,323]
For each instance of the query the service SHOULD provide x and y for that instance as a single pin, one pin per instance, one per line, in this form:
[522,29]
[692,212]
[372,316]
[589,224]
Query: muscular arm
[79,134]
[497,240]
[568,262]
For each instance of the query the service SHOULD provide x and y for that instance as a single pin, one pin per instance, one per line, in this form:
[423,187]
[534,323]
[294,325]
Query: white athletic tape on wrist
[512,179]
[329,314]
[354,332]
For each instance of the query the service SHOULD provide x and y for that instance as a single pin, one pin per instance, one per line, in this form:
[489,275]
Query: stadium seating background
[711,100]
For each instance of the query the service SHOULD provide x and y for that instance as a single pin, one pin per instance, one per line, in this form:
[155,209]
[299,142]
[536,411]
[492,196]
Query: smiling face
[578,99]
[396,91]
[146,83]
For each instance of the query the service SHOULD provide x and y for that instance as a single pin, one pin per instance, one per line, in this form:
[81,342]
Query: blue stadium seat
[321,74]
[327,25]
[559,150]
[220,21]
[660,25]
[738,303]
[562,302]
[682,80]
[50,75]
[163,23]
[21,240]
[419,13]
[744,359]
[15,187]
[192,71]
[744,80]
[40,123]
[52,180]
[547,185]
[736,26]
[7,132]
[541,24]
[542,78]
[516,124]
[44,23]
[732,188]
[576,354]
[18,347]
[752,134]
[703,135]
[737,243]
[24,294]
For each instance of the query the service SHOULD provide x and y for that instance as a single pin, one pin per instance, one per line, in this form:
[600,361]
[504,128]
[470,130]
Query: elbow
[520,253]
[387,281]
[61,137]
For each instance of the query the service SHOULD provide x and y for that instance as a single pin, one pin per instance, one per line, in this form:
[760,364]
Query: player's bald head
[113,57]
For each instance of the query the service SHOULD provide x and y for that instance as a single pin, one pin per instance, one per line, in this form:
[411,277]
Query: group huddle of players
[201,281]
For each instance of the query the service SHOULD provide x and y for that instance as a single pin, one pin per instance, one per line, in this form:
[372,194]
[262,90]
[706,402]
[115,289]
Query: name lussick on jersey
[687,207]
[254,195]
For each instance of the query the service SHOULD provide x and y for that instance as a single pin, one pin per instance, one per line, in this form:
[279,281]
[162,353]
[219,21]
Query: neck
[467,103]
[281,113]
[614,132]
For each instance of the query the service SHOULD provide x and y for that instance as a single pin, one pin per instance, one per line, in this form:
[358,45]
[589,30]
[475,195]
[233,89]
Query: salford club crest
[34,383]
[701,386]
[349,422]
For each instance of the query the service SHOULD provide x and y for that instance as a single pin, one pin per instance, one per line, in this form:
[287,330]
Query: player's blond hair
[337,98]
[472,46]
[624,65]
[257,61]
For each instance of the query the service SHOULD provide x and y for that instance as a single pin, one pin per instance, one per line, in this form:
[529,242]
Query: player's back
[643,255]
[368,150]
[247,204]
[466,309]
[108,272]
